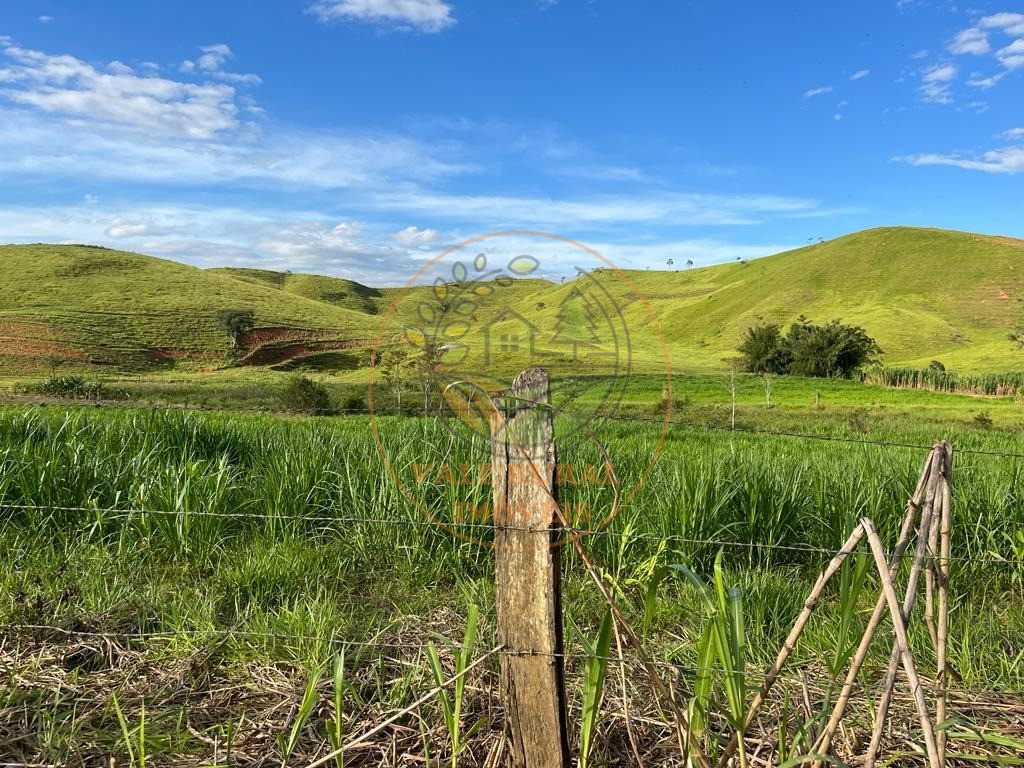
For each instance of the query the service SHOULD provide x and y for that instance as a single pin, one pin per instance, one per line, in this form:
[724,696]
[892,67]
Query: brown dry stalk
[942,633]
[909,598]
[402,712]
[902,643]
[789,645]
[824,742]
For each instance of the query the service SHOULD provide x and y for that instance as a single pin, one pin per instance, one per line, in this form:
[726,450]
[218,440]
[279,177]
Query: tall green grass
[289,538]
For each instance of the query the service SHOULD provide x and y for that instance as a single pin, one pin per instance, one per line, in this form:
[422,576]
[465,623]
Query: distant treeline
[937,379]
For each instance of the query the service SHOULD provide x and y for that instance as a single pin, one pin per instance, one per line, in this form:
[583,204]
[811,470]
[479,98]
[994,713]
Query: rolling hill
[924,294]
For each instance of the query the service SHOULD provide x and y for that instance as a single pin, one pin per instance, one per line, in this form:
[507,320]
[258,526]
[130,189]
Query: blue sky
[360,137]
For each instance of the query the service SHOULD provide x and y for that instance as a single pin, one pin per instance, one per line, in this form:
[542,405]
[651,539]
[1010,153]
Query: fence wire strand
[114,514]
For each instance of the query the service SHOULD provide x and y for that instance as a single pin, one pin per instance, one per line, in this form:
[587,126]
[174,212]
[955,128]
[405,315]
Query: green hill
[924,294]
[131,311]
[330,290]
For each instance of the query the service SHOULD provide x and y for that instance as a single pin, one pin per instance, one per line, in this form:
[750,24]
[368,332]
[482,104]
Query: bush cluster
[832,350]
[75,388]
[304,395]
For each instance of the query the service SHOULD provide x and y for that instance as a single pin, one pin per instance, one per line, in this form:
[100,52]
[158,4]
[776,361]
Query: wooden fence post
[527,565]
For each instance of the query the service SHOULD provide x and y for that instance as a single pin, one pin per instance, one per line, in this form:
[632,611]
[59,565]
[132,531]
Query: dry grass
[57,710]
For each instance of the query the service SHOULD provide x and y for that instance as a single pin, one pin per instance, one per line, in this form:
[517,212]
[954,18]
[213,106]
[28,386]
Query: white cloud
[1010,23]
[38,146]
[940,73]
[973,40]
[935,83]
[67,86]
[860,74]
[489,211]
[121,228]
[1013,134]
[421,15]
[818,91]
[1007,160]
[921,54]
[985,83]
[413,237]
[212,62]
[837,117]
[976,40]
[1012,56]
[605,173]
[45,19]
[213,57]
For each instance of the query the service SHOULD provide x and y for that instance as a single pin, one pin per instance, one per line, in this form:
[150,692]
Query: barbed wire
[615,417]
[113,514]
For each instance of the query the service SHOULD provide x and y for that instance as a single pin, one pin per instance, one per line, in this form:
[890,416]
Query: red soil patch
[282,353]
[35,339]
[258,337]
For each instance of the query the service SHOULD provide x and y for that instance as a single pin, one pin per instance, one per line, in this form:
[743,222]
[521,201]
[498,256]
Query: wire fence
[389,410]
[116,514]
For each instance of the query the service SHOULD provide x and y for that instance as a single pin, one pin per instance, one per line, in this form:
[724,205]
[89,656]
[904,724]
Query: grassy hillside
[331,290]
[125,309]
[924,294]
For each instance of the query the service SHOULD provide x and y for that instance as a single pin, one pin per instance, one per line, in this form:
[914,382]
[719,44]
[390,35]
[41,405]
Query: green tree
[236,323]
[832,350]
[395,364]
[762,350]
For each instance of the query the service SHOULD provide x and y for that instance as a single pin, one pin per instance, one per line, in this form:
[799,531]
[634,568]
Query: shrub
[982,421]
[354,404]
[75,388]
[306,396]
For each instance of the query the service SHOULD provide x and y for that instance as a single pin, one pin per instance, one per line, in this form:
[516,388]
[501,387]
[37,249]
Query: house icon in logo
[515,336]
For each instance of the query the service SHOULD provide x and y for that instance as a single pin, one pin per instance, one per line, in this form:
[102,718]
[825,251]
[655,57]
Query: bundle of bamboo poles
[930,511]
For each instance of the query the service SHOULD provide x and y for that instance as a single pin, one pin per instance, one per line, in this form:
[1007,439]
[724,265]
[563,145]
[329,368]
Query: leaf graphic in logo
[440,289]
[427,313]
[523,265]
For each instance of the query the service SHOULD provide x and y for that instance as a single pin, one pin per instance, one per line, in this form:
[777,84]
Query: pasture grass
[291,537]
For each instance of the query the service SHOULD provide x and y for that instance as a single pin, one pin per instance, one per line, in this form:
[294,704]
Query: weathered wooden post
[528,563]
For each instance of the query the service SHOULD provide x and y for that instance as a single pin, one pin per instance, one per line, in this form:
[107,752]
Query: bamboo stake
[789,645]
[824,741]
[909,598]
[930,574]
[946,526]
[902,642]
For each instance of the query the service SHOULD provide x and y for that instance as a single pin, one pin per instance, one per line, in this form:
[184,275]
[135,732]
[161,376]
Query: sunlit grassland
[290,537]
